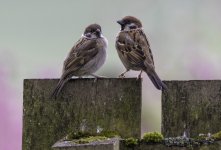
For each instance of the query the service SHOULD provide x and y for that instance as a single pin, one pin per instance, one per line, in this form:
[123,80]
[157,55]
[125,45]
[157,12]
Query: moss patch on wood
[84,135]
[217,136]
[131,142]
[89,139]
[153,137]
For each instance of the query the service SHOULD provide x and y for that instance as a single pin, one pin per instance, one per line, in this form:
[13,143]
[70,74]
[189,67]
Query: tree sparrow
[134,50]
[85,58]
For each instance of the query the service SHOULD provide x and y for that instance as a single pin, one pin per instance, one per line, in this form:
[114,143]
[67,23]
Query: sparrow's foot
[139,76]
[122,75]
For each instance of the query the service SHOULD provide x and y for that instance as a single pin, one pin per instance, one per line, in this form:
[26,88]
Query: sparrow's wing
[146,48]
[81,53]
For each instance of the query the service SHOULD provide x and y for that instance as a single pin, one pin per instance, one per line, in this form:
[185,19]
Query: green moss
[89,139]
[109,134]
[217,136]
[84,135]
[131,142]
[77,135]
[153,137]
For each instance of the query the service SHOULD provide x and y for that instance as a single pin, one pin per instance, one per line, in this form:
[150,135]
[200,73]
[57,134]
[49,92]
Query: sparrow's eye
[132,26]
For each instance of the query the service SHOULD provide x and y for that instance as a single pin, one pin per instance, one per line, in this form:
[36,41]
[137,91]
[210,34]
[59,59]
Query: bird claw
[122,76]
[138,77]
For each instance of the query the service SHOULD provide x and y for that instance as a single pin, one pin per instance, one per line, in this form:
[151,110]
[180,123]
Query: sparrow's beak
[120,22]
[98,31]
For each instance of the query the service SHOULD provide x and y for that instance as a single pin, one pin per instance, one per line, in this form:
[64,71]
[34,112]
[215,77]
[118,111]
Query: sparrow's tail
[156,80]
[59,87]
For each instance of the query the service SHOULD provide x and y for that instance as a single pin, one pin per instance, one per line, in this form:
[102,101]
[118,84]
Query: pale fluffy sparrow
[134,50]
[86,56]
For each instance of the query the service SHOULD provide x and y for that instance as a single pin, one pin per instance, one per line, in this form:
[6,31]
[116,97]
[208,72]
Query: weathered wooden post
[115,105]
[83,105]
[191,106]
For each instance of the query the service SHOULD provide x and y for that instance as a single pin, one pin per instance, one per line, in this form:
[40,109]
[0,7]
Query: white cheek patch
[130,26]
[92,36]
[127,28]
[133,26]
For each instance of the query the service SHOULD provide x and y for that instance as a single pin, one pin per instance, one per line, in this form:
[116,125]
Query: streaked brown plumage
[85,58]
[134,50]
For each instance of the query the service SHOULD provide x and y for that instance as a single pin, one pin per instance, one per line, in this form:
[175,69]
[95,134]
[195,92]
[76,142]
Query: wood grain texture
[83,104]
[191,106]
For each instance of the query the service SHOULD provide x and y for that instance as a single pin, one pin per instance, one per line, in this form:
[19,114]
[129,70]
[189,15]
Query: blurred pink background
[35,37]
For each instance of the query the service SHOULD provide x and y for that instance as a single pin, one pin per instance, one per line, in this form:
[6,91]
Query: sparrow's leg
[139,76]
[97,76]
[95,80]
[122,75]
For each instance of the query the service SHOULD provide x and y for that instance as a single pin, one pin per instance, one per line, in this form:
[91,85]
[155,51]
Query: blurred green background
[35,37]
